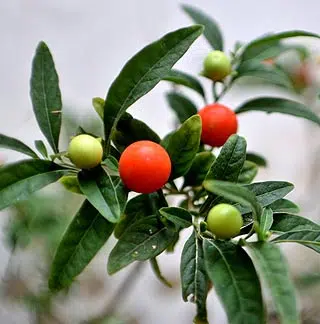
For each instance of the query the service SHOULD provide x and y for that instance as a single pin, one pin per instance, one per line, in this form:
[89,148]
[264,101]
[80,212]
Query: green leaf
[178,216]
[284,206]
[267,73]
[194,279]
[287,222]
[130,130]
[248,172]
[272,268]
[199,169]
[235,281]
[309,238]
[279,105]
[187,80]
[266,39]
[266,220]
[235,193]
[139,207]
[20,179]
[45,95]
[143,72]
[41,148]
[182,146]
[70,183]
[84,237]
[229,162]
[98,104]
[183,107]
[16,145]
[211,32]
[257,159]
[267,192]
[143,240]
[156,270]
[102,193]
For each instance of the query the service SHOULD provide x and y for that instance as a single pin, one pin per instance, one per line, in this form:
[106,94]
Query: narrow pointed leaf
[143,240]
[256,158]
[287,222]
[102,193]
[266,220]
[248,172]
[16,145]
[234,193]
[187,80]
[156,270]
[284,206]
[279,105]
[211,32]
[20,179]
[143,72]
[183,145]
[84,237]
[41,148]
[309,238]
[183,107]
[273,269]
[178,216]
[194,279]
[45,95]
[235,281]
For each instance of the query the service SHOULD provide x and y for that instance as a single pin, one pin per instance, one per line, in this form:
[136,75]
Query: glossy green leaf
[41,148]
[279,105]
[284,206]
[199,169]
[185,79]
[211,32]
[309,238]
[287,222]
[16,145]
[257,159]
[229,162]
[102,193]
[194,279]
[98,105]
[248,172]
[180,217]
[84,237]
[183,145]
[143,72]
[138,207]
[143,240]
[235,281]
[273,269]
[266,220]
[70,183]
[267,192]
[270,74]
[182,106]
[20,179]
[266,39]
[234,193]
[156,270]
[45,95]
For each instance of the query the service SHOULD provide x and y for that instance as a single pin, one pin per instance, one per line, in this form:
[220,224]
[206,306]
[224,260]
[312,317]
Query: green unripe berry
[85,151]
[216,66]
[224,221]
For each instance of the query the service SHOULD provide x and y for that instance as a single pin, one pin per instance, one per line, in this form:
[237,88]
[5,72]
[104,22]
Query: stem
[214,92]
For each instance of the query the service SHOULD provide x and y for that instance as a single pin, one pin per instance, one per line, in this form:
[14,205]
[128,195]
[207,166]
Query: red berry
[144,166]
[218,124]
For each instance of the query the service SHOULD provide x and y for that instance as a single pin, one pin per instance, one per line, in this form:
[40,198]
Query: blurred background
[90,42]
